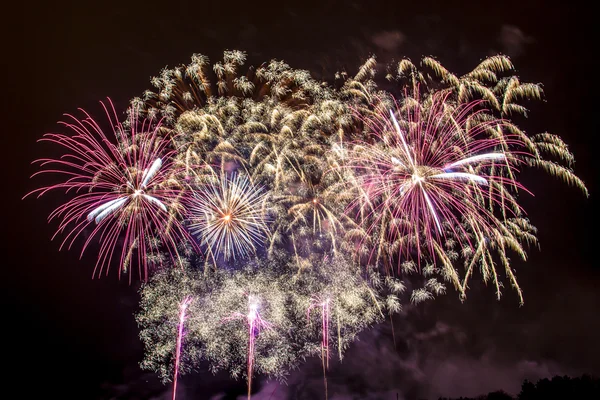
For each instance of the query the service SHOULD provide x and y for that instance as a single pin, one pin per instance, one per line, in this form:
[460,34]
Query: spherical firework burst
[229,216]
[428,174]
[125,192]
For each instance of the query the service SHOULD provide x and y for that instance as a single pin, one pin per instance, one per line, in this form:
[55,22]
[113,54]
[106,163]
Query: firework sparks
[432,183]
[325,307]
[123,189]
[422,182]
[229,216]
[182,316]
[255,324]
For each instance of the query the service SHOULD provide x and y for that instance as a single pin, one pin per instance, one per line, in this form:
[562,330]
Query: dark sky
[72,337]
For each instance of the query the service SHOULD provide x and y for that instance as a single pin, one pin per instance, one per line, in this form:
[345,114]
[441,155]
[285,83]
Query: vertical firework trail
[182,310]
[255,324]
[325,317]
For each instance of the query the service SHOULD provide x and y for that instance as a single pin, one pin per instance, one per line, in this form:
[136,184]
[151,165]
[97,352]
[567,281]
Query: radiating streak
[155,201]
[106,209]
[477,158]
[397,126]
[151,172]
[461,176]
[432,209]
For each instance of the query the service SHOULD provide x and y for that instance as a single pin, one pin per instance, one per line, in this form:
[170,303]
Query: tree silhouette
[561,387]
[585,387]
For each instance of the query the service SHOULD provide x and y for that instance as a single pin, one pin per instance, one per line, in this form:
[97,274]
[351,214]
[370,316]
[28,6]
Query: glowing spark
[105,209]
[478,158]
[461,176]
[149,174]
[401,135]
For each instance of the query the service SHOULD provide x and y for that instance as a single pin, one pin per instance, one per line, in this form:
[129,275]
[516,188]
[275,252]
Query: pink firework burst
[125,187]
[431,172]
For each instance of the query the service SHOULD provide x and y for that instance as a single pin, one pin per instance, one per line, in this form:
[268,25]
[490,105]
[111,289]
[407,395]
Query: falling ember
[182,310]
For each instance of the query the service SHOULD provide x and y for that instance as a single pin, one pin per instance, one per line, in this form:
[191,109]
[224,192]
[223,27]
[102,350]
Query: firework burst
[351,181]
[429,177]
[229,216]
[126,194]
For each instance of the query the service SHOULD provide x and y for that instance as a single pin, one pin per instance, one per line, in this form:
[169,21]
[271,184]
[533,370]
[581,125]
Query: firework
[282,298]
[124,188]
[255,324]
[334,184]
[229,216]
[196,84]
[424,181]
[325,307]
[182,311]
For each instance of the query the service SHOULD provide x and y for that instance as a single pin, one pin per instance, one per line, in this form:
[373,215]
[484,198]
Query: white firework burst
[229,216]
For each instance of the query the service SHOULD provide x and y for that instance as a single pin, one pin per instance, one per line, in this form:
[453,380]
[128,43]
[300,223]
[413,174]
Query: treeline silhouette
[585,387]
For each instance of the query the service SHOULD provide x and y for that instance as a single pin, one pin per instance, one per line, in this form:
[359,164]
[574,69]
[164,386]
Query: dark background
[73,337]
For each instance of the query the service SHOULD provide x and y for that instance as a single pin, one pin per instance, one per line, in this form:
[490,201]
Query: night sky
[73,337]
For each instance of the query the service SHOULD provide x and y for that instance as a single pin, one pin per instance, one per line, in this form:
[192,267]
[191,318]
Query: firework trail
[325,307]
[255,324]
[437,175]
[182,310]
[123,187]
[229,216]
[325,319]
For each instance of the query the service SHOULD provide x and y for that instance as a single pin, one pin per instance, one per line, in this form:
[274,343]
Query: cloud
[389,41]
[442,348]
[513,40]
[427,362]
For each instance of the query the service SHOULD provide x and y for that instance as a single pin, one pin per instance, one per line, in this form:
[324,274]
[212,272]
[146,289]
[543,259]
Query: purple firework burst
[126,190]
